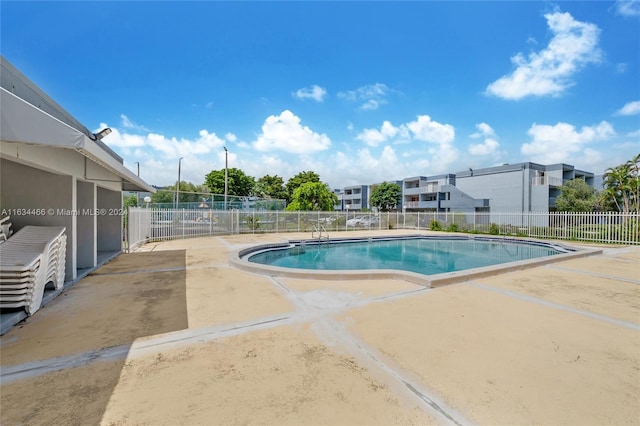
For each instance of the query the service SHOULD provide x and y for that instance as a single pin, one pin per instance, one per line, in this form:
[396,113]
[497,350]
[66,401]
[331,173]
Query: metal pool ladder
[320,229]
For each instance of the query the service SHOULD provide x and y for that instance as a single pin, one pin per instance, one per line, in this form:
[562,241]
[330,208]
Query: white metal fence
[144,225]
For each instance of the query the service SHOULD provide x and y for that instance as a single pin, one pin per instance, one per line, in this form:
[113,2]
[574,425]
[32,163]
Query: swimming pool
[421,259]
[421,255]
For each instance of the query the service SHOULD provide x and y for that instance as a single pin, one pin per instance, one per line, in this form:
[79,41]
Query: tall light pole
[138,193]
[226,175]
[178,187]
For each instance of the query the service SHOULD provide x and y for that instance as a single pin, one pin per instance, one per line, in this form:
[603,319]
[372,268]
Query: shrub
[252,222]
[434,225]
[453,227]
[494,229]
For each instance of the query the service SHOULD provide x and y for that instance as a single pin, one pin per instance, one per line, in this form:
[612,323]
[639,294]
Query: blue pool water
[422,255]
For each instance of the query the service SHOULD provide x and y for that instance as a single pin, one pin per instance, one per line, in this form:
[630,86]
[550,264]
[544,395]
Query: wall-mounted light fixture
[101,134]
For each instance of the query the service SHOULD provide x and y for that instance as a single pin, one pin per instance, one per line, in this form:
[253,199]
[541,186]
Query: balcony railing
[546,181]
[428,187]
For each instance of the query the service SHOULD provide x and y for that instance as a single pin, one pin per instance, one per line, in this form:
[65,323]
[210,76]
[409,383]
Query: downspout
[522,209]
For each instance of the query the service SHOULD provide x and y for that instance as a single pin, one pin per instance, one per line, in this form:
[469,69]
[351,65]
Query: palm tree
[622,185]
[634,169]
[615,187]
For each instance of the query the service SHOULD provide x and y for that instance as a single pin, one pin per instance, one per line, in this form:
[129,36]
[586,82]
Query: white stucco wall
[36,197]
[71,190]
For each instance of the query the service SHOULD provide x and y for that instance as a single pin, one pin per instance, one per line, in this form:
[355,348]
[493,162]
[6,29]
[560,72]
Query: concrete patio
[172,334]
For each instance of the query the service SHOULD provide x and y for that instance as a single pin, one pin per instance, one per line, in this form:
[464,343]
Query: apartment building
[520,187]
[437,193]
[355,198]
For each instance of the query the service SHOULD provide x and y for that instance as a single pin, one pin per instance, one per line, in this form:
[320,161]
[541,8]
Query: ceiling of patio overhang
[25,123]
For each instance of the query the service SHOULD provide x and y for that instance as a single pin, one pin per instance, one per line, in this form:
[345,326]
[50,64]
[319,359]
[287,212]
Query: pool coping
[238,259]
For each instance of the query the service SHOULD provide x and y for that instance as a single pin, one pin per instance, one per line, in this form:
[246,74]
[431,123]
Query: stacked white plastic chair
[29,260]
[5,229]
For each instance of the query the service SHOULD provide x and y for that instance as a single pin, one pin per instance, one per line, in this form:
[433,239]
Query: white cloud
[621,67]
[372,104]
[230,137]
[169,147]
[175,148]
[271,164]
[563,143]
[285,133]
[422,129]
[630,108]
[427,130]
[440,152]
[484,130]
[488,147]
[549,71]
[443,158]
[371,96]
[162,170]
[314,92]
[128,124]
[385,166]
[122,140]
[158,155]
[374,137]
[628,7]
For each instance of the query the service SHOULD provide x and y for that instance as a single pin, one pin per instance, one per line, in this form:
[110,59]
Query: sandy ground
[173,334]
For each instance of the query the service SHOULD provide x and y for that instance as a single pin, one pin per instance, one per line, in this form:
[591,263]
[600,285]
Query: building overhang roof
[24,123]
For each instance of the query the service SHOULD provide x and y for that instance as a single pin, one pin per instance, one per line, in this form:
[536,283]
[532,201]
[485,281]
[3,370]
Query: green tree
[164,196]
[576,196]
[189,193]
[238,183]
[270,187]
[130,201]
[622,186]
[299,179]
[386,196]
[312,196]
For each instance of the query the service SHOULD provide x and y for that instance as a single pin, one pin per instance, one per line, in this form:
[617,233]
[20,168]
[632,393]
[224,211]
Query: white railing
[546,180]
[428,187]
[145,225]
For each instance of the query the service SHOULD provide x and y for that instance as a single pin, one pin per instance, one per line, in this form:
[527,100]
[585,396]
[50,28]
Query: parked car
[365,221]
[355,221]
[327,220]
[369,221]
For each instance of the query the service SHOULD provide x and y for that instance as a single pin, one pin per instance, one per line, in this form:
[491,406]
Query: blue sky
[359,92]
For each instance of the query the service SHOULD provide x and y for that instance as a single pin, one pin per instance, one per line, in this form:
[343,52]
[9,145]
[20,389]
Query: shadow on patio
[134,296]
